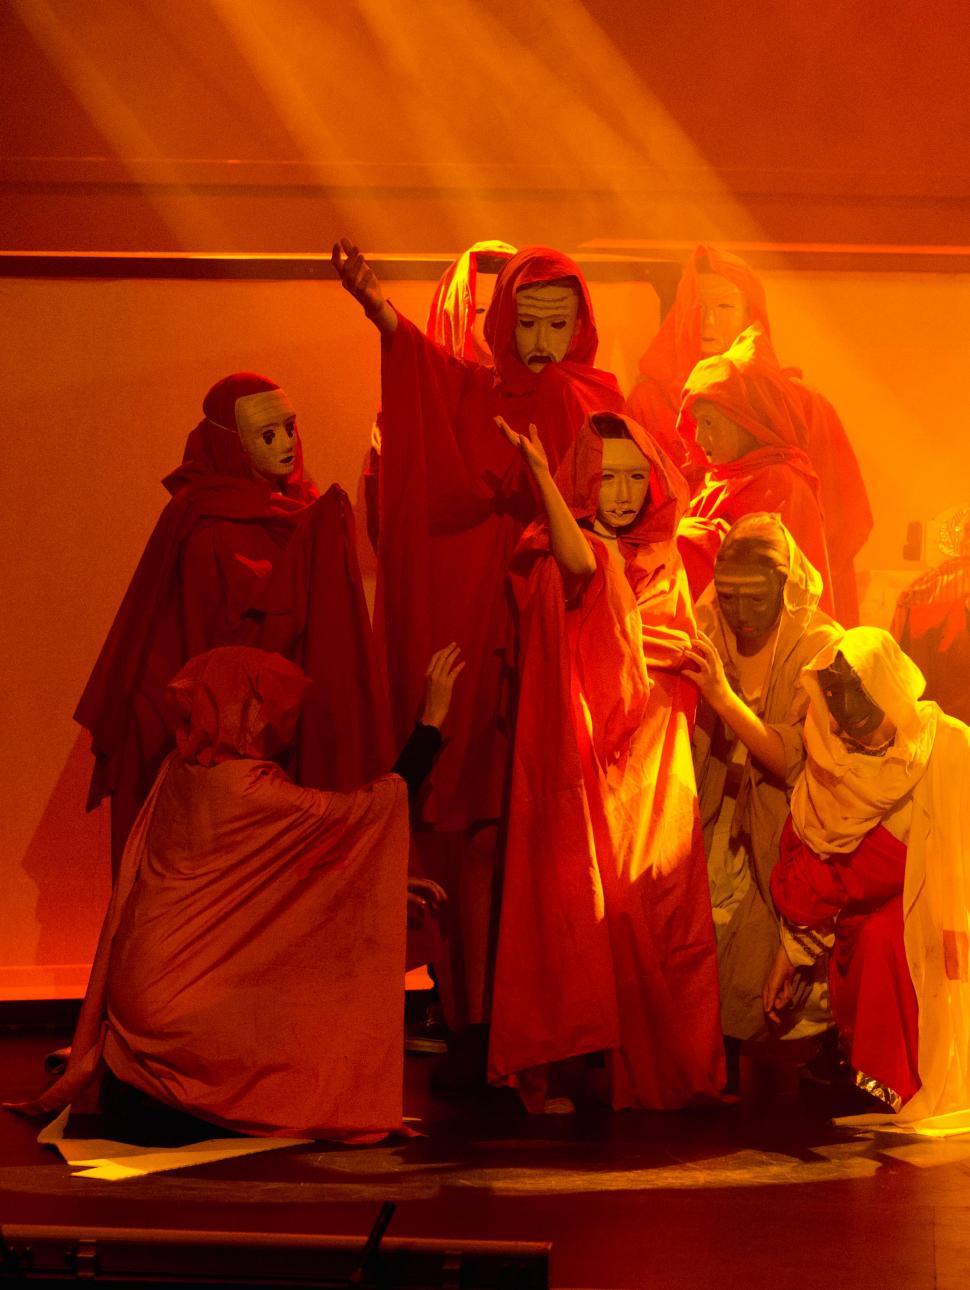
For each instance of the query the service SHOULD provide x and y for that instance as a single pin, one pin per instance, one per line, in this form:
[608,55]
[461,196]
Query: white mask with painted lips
[267,431]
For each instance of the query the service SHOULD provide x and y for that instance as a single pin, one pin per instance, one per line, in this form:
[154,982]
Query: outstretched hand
[424,897]
[529,446]
[361,281]
[703,666]
[439,681]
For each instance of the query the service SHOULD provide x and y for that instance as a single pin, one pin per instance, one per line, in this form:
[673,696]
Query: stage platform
[763,1194]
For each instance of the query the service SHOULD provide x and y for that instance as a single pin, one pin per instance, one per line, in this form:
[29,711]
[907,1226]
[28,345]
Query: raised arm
[702,664]
[570,548]
[361,281]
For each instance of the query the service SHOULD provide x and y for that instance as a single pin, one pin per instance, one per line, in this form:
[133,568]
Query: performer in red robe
[874,862]
[455,498]
[739,410]
[719,295]
[249,970]
[238,498]
[606,939]
[456,322]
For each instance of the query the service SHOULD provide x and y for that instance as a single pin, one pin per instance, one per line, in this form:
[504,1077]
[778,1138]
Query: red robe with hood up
[655,400]
[454,499]
[202,580]
[746,384]
[606,938]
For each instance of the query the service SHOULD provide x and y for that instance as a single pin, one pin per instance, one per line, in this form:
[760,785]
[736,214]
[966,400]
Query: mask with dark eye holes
[853,710]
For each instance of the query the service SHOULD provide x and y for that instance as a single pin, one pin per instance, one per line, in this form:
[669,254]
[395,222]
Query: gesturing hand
[424,897]
[439,682]
[358,277]
[703,666]
[529,446]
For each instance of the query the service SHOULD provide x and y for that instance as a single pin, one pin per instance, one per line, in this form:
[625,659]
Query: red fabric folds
[451,317]
[870,986]
[655,401]
[748,386]
[454,499]
[606,938]
[249,968]
[204,573]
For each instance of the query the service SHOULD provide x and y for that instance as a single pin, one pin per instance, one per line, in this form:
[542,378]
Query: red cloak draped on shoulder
[204,572]
[655,401]
[748,386]
[606,938]
[249,967]
[454,499]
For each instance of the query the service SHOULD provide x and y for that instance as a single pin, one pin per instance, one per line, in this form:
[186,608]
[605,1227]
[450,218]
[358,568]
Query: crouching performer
[249,972]
[761,627]
[875,861]
[606,943]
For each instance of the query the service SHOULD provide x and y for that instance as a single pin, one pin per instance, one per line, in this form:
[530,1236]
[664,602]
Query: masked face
[857,718]
[484,290]
[267,431]
[724,313]
[624,484]
[718,437]
[750,599]
[546,322]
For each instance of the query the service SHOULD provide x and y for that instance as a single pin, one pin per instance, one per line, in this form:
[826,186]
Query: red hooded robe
[249,967]
[206,568]
[748,386]
[606,938]
[454,500]
[655,400]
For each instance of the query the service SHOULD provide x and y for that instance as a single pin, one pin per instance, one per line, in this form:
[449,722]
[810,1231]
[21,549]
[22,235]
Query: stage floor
[766,1192]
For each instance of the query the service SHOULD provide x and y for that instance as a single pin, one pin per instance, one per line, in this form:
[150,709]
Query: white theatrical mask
[724,313]
[624,484]
[267,431]
[546,320]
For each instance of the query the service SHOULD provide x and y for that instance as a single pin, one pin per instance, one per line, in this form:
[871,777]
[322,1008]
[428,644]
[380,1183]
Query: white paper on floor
[102,1158]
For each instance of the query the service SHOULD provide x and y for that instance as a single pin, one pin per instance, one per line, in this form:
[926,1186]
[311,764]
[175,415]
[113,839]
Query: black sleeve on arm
[417,756]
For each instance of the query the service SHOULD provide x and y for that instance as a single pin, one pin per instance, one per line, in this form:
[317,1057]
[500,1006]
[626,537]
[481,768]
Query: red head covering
[235,701]
[214,446]
[676,347]
[748,385]
[534,265]
[452,314]
[668,496]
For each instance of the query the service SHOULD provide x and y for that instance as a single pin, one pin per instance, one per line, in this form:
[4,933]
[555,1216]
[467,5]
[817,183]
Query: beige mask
[546,321]
[718,437]
[724,313]
[623,486]
[267,431]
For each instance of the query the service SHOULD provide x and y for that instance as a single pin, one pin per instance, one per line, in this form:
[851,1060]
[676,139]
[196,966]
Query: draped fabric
[655,401]
[249,968]
[747,385]
[606,939]
[454,499]
[741,864]
[932,624]
[452,313]
[206,568]
[842,797]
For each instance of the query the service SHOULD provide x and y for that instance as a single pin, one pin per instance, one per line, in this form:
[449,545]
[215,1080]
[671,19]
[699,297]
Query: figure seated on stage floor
[875,867]
[932,619]
[250,970]
[605,940]
[757,632]
[739,408]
